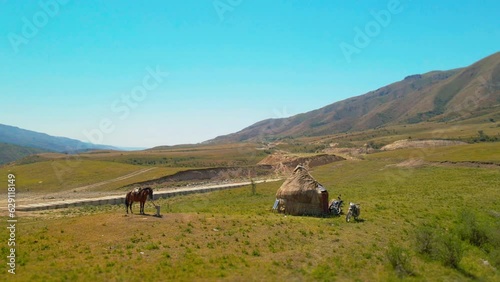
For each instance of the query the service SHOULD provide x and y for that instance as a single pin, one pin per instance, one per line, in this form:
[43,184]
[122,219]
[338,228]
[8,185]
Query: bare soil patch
[209,175]
[349,153]
[284,163]
[469,164]
[415,162]
[411,163]
[406,143]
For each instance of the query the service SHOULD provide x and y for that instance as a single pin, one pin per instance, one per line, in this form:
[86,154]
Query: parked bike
[354,211]
[335,206]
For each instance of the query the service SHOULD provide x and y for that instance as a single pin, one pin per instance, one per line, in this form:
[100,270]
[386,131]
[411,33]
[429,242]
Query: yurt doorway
[324,201]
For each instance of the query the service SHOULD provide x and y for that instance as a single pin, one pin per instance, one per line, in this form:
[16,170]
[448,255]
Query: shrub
[495,258]
[400,261]
[482,235]
[445,248]
[471,231]
[254,187]
[449,251]
[425,240]
[152,246]
[494,245]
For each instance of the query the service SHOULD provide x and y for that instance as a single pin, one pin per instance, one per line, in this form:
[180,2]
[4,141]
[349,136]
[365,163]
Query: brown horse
[138,195]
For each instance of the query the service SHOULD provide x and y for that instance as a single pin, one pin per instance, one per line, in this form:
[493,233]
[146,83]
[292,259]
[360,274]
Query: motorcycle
[335,206]
[354,211]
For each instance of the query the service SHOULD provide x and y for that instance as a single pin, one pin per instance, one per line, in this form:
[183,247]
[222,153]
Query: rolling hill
[10,153]
[437,96]
[27,138]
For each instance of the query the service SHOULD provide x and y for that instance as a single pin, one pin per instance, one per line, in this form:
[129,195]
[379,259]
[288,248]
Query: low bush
[425,240]
[445,248]
[449,250]
[400,261]
[484,235]
[470,230]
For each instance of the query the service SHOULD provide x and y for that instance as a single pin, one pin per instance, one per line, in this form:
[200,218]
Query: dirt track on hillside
[82,192]
[416,162]
[135,173]
[275,167]
[185,180]
[30,205]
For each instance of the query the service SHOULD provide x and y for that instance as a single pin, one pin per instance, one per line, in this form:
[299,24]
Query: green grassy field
[59,175]
[480,152]
[9,152]
[452,211]
[55,172]
[192,156]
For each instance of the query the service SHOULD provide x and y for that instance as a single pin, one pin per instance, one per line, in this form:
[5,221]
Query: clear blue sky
[67,65]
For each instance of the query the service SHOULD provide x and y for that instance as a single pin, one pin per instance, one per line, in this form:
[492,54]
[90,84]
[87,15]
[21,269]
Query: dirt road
[117,198]
[135,173]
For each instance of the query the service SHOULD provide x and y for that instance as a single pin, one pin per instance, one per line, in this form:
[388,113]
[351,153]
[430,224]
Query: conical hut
[301,194]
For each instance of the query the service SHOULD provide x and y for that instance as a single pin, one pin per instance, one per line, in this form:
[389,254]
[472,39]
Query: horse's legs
[126,202]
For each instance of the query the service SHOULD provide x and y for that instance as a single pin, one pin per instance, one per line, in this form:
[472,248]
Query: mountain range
[16,143]
[437,96]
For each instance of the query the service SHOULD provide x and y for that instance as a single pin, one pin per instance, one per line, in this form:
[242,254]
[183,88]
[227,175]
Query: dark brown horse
[138,195]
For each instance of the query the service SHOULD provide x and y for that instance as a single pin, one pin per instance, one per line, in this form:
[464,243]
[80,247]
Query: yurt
[301,194]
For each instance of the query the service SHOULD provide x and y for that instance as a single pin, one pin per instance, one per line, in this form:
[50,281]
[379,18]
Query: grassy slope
[194,156]
[481,152]
[9,152]
[61,175]
[232,234]
[436,96]
[425,130]
[55,172]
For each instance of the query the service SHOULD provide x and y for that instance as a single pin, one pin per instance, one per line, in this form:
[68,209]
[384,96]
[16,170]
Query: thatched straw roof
[301,194]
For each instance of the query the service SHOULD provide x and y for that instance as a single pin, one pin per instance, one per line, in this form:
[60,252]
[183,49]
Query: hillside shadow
[152,215]
[146,214]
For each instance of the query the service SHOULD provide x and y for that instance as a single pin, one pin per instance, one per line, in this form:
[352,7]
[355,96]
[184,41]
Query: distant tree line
[483,137]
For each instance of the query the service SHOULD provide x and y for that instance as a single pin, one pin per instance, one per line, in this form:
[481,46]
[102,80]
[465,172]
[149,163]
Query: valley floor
[417,217]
